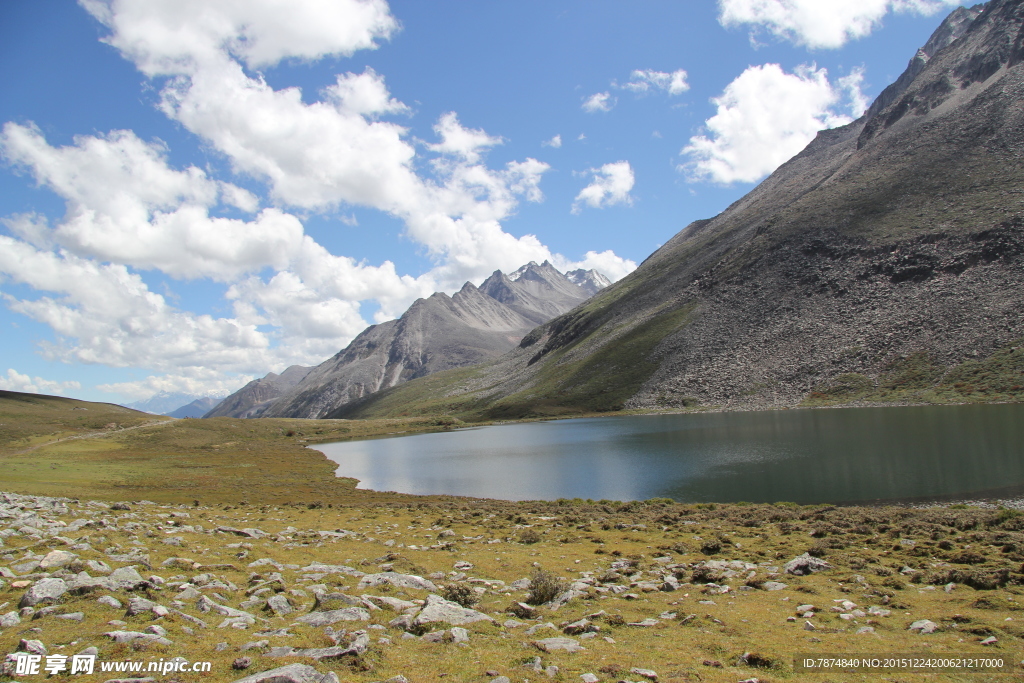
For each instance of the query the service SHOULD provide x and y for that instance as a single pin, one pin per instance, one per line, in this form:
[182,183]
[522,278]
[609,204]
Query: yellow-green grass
[574,538]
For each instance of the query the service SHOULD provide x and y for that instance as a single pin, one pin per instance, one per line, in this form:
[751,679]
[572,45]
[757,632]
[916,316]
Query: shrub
[460,593]
[529,536]
[544,587]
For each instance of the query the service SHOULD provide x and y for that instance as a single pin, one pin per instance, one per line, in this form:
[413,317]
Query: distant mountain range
[883,263]
[176,404]
[434,334]
[196,408]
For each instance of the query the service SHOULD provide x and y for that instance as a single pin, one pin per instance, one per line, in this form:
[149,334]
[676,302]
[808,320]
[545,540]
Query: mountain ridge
[436,333]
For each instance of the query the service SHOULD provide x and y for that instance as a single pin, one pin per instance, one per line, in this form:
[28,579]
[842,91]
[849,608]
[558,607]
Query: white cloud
[820,24]
[606,262]
[128,209]
[177,36]
[464,143]
[643,81]
[764,117]
[555,142]
[15,381]
[602,101]
[198,383]
[610,185]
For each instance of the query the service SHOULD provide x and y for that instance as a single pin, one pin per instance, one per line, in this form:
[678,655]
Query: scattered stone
[923,626]
[131,636]
[44,590]
[645,673]
[554,644]
[33,647]
[280,605]
[437,609]
[318,619]
[865,629]
[589,678]
[109,601]
[805,564]
[991,640]
[397,580]
[241,663]
[10,619]
[773,586]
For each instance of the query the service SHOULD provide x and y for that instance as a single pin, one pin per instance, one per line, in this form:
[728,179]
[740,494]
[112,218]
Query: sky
[194,193]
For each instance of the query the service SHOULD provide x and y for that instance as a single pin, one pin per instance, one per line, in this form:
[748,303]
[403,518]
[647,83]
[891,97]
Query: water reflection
[841,455]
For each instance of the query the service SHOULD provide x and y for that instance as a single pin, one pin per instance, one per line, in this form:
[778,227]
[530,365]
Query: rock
[522,610]
[10,619]
[132,636]
[280,605]
[57,558]
[645,673]
[325,602]
[33,647]
[109,601]
[397,580]
[554,644]
[501,679]
[808,626]
[44,590]
[334,616]
[293,673]
[589,678]
[137,606]
[581,626]
[156,630]
[991,640]
[388,602]
[865,629]
[462,565]
[241,663]
[923,626]
[459,635]
[127,578]
[437,609]
[805,564]
[70,616]
[773,586]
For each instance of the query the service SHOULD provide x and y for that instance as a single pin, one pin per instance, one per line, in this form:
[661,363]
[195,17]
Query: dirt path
[93,435]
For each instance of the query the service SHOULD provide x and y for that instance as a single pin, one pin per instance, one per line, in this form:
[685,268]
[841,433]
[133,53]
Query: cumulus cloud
[644,81]
[610,185]
[15,381]
[817,24]
[602,101]
[177,36]
[764,117]
[128,209]
[555,142]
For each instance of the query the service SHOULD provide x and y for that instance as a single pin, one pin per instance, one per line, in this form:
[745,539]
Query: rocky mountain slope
[883,262]
[257,395]
[436,333]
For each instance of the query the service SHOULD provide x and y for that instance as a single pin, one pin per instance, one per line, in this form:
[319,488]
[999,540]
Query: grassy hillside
[59,446]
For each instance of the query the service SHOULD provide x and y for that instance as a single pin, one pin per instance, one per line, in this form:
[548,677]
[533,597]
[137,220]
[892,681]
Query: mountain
[436,333]
[880,264]
[196,408]
[164,403]
[256,396]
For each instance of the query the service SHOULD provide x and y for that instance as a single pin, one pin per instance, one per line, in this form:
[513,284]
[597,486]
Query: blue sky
[194,193]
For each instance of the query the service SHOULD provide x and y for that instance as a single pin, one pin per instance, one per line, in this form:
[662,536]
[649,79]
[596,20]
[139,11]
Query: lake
[844,455]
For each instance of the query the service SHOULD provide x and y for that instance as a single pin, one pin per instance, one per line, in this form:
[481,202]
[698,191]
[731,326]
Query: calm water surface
[804,456]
